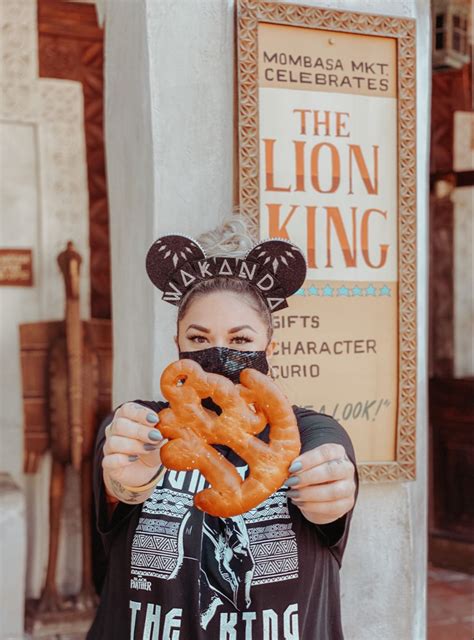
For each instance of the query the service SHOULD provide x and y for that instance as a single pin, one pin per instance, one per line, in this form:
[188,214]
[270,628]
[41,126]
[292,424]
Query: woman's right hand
[132,447]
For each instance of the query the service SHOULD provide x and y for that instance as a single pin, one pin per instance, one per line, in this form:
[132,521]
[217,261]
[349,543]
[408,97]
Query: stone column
[169,135]
[169,122]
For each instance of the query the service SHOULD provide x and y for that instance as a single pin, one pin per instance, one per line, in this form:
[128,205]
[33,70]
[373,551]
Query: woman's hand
[131,451]
[322,483]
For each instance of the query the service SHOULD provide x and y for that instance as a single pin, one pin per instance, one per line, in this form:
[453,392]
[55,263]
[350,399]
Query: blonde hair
[231,238]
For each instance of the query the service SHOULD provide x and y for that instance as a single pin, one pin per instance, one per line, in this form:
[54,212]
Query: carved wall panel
[451,91]
[71,47]
[441,288]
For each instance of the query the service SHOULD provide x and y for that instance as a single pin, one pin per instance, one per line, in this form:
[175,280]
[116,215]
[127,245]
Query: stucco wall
[169,121]
[43,204]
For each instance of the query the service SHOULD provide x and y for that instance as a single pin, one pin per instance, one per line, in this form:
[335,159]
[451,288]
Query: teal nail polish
[295,466]
[294,493]
[132,458]
[149,447]
[155,435]
[290,482]
[152,417]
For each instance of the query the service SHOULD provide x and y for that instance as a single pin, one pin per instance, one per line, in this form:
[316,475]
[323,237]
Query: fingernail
[149,447]
[152,417]
[294,493]
[295,466]
[155,435]
[290,482]
[132,458]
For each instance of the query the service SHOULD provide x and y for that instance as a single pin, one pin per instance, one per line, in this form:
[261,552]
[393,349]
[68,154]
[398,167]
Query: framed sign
[16,267]
[327,160]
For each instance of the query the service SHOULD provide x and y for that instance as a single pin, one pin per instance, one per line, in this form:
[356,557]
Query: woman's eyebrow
[243,326]
[199,328]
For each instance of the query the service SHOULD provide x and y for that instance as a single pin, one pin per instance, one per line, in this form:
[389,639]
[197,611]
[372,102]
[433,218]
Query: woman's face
[222,319]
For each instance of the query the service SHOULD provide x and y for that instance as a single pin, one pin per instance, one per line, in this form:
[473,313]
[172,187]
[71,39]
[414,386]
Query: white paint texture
[169,95]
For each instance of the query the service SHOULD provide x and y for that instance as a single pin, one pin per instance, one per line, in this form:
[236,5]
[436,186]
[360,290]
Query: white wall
[169,99]
[169,139]
[43,204]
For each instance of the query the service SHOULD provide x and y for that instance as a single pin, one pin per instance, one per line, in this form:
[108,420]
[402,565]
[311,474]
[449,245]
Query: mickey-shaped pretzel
[192,430]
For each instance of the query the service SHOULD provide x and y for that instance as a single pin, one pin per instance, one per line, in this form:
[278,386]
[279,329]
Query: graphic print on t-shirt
[227,566]
[235,554]
[157,549]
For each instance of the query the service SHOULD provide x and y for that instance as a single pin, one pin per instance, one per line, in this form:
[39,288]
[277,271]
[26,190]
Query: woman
[175,572]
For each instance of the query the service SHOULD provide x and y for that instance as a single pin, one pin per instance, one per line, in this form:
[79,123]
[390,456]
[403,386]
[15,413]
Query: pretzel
[246,409]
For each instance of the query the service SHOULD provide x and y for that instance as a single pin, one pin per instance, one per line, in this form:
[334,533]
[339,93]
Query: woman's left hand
[322,483]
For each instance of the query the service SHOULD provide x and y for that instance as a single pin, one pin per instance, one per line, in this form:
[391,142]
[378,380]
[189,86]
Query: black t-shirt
[176,573]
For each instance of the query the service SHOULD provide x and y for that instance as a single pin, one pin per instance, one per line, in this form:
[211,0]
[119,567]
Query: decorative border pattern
[70,47]
[249,14]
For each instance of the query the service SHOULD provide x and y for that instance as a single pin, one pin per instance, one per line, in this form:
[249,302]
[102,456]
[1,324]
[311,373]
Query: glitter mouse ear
[284,259]
[167,254]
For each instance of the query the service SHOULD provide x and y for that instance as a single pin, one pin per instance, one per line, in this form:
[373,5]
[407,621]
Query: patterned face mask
[228,362]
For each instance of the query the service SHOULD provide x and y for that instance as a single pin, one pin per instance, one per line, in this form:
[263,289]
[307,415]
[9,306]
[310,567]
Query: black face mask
[228,362]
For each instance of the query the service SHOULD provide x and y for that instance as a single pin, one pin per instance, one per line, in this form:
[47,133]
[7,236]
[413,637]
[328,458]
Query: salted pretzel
[246,409]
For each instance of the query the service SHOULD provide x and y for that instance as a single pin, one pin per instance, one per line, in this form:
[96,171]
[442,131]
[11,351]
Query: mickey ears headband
[175,264]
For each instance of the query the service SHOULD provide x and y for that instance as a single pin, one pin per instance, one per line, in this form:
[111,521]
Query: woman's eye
[198,339]
[241,340]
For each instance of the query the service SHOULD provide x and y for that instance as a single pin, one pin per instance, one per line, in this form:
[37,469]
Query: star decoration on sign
[348,292]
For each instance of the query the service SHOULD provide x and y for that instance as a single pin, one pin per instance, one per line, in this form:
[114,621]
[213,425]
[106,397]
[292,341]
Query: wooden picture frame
[251,14]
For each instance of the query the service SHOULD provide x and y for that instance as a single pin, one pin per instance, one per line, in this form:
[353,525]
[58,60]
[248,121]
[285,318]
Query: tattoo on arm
[124,495]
